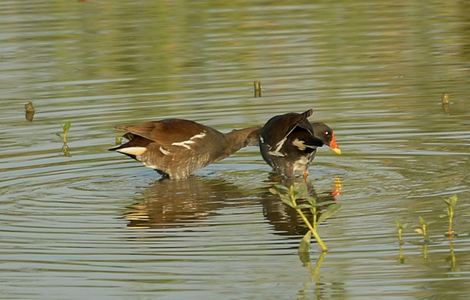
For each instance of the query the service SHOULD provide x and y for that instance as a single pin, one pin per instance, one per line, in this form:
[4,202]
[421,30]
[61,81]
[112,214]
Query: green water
[96,224]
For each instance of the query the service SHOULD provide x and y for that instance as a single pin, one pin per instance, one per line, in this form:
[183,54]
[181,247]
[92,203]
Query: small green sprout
[65,132]
[423,229]
[118,140]
[451,204]
[445,99]
[29,111]
[400,228]
[257,88]
[65,137]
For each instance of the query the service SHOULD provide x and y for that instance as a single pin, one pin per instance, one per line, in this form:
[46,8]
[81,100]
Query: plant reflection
[452,259]
[424,252]
[401,255]
[316,287]
[66,150]
[314,272]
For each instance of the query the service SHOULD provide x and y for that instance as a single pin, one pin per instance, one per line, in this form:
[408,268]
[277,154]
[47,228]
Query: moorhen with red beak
[176,148]
[288,142]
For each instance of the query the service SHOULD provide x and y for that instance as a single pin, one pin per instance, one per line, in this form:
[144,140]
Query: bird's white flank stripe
[275,153]
[137,151]
[190,141]
[164,151]
[280,144]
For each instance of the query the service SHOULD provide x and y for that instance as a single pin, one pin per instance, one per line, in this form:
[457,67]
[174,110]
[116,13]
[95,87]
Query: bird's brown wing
[166,132]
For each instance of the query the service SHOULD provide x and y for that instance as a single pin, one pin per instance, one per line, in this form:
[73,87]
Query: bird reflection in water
[285,219]
[175,203]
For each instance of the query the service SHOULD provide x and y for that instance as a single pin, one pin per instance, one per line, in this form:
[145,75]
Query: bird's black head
[326,135]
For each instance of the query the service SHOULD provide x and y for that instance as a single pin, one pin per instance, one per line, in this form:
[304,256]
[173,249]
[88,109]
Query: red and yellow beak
[333,146]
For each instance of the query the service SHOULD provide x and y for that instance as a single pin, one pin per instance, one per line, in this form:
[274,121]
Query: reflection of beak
[337,187]
[333,146]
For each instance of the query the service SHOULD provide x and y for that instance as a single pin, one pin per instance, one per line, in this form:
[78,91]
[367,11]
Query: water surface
[100,225]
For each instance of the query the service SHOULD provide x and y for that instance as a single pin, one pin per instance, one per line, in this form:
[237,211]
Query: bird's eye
[327,132]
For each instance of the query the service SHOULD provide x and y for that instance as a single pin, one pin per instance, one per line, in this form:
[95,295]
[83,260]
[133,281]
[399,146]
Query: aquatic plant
[451,203]
[290,197]
[257,88]
[400,227]
[65,132]
[65,136]
[29,111]
[118,140]
[445,101]
[423,229]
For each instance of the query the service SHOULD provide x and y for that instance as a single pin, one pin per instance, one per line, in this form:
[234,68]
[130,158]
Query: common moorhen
[288,142]
[175,148]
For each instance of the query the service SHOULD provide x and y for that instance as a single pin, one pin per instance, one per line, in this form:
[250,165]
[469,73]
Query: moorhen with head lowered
[288,142]
[176,148]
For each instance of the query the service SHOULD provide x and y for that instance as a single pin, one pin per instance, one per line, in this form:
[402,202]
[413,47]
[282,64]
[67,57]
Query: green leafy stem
[290,196]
